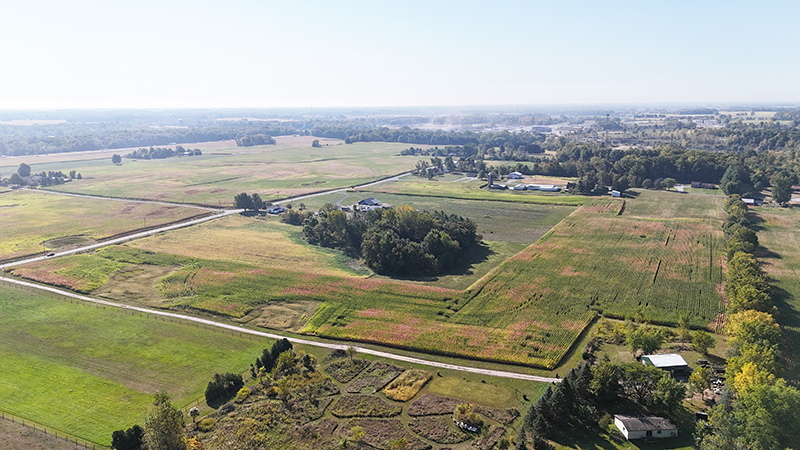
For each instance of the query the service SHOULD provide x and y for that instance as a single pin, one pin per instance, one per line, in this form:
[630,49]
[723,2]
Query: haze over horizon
[248,54]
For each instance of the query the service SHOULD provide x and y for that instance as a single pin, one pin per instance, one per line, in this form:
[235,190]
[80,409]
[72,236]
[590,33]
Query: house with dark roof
[645,427]
[369,202]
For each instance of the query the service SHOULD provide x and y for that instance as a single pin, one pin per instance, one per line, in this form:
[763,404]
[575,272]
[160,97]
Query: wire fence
[78,442]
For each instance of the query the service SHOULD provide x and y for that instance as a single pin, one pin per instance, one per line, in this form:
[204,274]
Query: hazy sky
[250,53]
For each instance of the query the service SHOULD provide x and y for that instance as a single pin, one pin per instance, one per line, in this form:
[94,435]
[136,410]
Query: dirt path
[368,351]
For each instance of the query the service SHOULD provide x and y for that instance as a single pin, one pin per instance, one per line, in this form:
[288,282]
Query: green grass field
[471,190]
[89,371]
[779,238]
[290,168]
[34,221]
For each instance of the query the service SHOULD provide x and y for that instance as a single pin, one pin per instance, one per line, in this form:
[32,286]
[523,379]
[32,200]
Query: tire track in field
[238,329]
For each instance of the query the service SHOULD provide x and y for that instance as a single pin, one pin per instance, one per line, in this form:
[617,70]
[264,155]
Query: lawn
[289,168]
[450,187]
[34,221]
[89,371]
[779,254]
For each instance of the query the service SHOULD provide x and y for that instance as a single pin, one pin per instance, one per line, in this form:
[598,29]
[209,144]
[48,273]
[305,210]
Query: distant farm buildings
[276,209]
[615,193]
[543,187]
[753,201]
[645,427]
[514,176]
[699,185]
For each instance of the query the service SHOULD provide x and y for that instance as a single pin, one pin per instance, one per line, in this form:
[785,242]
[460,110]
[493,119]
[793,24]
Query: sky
[267,54]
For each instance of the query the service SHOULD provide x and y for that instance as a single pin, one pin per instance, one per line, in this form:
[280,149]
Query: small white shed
[615,193]
[643,427]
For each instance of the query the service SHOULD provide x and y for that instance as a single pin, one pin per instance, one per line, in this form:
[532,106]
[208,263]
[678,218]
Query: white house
[615,193]
[641,427]
[514,176]
[276,209]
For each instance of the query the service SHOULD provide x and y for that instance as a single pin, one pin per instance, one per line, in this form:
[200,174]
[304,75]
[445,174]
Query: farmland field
[779,239]
[289,168]
[31,220]
[450,187]
[620,261]
[89,371]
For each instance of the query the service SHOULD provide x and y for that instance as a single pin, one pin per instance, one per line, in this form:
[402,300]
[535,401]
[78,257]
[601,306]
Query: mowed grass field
[291,167]
[30,218]
[779,238]
[449,186]
[89,371]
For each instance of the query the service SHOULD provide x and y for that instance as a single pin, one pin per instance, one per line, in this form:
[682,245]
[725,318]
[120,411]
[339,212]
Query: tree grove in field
[400,240]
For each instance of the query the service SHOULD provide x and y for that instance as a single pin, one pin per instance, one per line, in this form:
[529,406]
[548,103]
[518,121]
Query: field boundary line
[242,330]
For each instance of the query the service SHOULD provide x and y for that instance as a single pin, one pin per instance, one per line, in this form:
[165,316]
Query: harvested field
[378,433]
[363,406]
[290,168]
[406,386]
[345,370]
[439,429]
[431,405]
[375,377]
[33,221]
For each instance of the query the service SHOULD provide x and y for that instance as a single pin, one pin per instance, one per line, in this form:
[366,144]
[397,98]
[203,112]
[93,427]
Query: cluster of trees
[255,139]
[248,202]
[295,216]
[648,339]
[269,356]
[581,397]
[157,153]
[223,385]
[130,439]
[400,240]
[758,410]
[49,178]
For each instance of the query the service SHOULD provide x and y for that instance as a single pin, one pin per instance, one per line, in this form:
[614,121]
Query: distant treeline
[162,153]
[26,144]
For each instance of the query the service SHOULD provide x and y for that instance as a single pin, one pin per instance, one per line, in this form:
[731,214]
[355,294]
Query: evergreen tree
[163,427]
[521,445]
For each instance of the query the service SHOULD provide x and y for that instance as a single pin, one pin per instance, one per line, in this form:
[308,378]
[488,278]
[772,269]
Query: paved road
[238,329]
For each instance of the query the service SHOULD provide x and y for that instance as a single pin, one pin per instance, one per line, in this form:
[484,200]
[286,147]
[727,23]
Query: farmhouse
[514,176]
[672,362]
[615,193]
[640,427]
[276,209]
[369,202]
[520,187]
